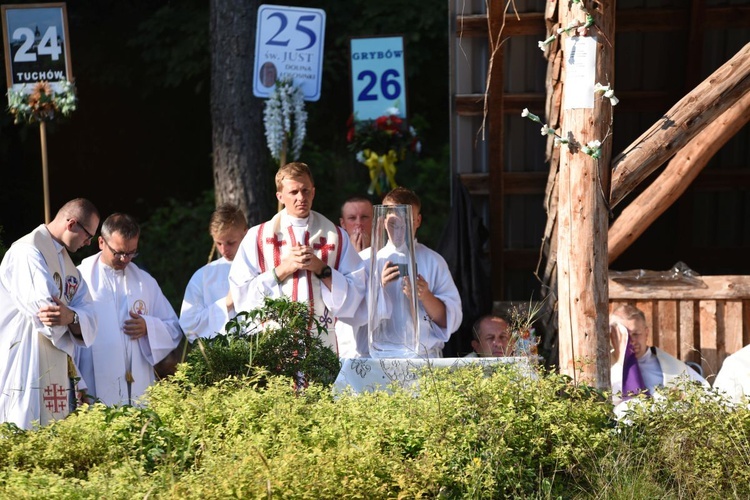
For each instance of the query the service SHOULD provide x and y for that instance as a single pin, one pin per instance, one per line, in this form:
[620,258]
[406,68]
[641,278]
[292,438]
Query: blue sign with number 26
[378,76]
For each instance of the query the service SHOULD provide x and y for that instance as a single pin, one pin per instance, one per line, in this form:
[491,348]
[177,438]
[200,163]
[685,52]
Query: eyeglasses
[90,236]
[121,255]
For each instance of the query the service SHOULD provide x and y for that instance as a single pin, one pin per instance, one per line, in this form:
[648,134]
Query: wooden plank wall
[703,324]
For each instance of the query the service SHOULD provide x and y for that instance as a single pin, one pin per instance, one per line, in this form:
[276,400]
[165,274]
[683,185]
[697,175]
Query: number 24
[48,45]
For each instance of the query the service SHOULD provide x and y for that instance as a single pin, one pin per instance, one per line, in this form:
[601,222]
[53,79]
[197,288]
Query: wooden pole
[282,162]
[583,213]
[676,177]
[45,170]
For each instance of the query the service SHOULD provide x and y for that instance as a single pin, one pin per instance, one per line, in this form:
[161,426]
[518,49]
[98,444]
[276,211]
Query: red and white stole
[55,365]
[276,238]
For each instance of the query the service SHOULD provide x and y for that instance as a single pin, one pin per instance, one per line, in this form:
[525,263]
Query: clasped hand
[57,314]
[135,327]
[301,257]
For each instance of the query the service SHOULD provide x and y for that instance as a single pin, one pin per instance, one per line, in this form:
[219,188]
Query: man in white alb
[299,254]
[439,303]
[137,325]
[356,219]
[734,376]
[45,311]
[208,304]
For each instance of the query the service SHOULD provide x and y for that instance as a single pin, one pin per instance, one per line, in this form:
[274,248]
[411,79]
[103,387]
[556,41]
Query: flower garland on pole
[379,144]
[42,102]
[285,121]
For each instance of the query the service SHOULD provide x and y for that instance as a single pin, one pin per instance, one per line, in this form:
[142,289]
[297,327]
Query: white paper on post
[580,72]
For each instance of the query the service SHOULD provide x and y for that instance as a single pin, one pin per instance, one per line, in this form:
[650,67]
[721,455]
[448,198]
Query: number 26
[390,87]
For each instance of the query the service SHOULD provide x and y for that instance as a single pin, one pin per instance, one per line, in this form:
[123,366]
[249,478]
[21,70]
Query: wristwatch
[325,273]
[75,318]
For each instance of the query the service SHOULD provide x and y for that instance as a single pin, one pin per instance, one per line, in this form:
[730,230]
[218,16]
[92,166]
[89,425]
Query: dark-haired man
[137,325]
[45,312]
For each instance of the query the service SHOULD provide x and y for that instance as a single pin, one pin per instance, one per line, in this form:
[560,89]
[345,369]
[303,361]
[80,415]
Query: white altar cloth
[371,374]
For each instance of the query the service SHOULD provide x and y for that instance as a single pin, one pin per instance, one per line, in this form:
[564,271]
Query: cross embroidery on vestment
[324,248]
[55,397]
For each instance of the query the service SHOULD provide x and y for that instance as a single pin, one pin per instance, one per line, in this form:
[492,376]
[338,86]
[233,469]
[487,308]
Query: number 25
[302,29]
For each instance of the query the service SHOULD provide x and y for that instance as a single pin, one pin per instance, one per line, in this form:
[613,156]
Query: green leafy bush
[461,434]
[281,338]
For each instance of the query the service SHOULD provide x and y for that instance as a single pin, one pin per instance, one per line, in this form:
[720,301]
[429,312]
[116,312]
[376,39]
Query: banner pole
[45,170]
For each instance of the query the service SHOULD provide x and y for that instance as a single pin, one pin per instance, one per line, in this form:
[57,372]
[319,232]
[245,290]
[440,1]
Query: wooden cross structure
[578,243]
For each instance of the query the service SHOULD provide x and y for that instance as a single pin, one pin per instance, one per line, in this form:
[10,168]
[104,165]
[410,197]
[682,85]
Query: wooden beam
[651,20]
[495,90]
[513,183]
[628,20]
[680,124]
[676,177]
[582,217]
[725,18]
[716,288]
[527,23]
[513,104]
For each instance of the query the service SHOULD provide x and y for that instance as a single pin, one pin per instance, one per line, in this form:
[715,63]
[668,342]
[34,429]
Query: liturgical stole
[55,366]
[276,242]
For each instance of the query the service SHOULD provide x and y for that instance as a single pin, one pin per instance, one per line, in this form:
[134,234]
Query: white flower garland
[284,118]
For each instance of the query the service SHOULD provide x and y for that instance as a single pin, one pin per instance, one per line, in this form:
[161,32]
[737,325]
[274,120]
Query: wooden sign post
[583,196]
[37,53]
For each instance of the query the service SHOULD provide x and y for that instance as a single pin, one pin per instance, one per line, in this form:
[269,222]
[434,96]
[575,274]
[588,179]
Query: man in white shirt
[299,254]
[651,368]
[439,303]
[208,304]
[491,337]
[734,376]
[137,325]
[45,311]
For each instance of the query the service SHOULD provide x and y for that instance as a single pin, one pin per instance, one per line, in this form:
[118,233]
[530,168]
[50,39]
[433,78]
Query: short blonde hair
[293,170]
[225,217]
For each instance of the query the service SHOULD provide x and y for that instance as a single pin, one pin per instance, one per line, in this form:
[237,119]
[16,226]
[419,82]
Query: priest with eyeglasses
[137,325]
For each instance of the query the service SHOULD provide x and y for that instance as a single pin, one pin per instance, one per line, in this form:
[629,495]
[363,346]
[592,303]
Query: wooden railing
[703,324]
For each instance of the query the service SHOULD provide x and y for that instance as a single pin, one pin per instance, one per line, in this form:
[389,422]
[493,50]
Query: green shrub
[461,433]
[697,443]
[281,338]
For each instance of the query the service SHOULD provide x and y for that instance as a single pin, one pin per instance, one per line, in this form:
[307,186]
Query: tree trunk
[582,216]
[240,157]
